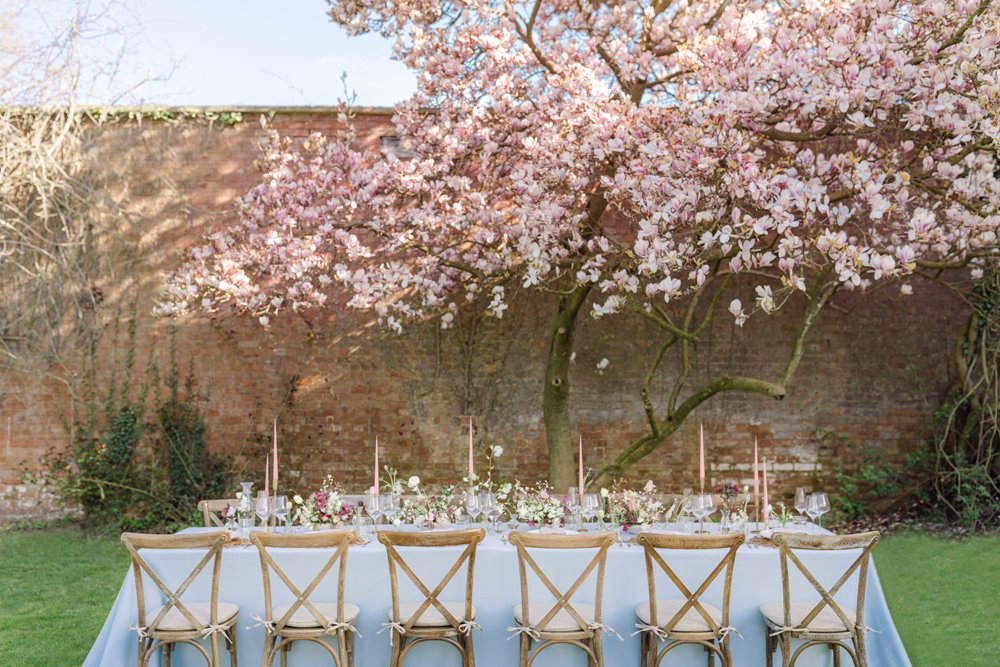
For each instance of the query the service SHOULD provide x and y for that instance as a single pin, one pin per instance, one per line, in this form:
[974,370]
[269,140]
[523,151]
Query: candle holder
[756,516]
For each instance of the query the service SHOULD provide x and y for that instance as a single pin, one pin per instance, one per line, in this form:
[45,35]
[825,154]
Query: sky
[247,52]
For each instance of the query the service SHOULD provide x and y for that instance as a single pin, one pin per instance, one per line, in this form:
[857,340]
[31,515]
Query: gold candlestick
[756,515]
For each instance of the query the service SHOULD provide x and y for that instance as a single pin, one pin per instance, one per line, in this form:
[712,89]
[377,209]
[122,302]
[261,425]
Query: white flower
[413,483]
[604,493]
[497,451]
[906,289]
[297,498]
[602,364]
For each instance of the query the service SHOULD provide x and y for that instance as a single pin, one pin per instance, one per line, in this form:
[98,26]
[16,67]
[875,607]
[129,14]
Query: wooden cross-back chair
[305,619]
[212,511]
[688,620]
[178,622]
[825,621]
[432,619]
[561,622]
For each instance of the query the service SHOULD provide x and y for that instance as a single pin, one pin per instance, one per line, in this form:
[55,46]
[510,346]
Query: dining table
[756,581]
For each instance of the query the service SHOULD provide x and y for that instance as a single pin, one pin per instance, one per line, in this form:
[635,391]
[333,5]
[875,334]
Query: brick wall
[873,369]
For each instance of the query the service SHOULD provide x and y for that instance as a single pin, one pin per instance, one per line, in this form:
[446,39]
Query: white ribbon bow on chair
[601,627]
[727,630]
[140,629]
[645,627]
[268,625]
[466,627]
[523,630]
[210,630]
[336,627]
[392,626]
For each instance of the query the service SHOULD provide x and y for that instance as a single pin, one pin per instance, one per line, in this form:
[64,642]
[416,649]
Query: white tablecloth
[756,580]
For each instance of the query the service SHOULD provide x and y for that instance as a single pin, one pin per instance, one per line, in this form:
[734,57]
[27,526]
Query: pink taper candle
[472,469]
[276,455]
[701,455]
[767,500]
[580,466]
[756,473]
[267,475]
[376,485]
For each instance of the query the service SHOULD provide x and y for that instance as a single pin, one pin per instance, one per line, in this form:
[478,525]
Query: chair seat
[691,621]
[432,617]
[563,621]
[826,621]
[175,621]
[303,618]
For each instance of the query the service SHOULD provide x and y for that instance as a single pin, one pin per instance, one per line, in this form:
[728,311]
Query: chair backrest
[452,538]
[563,600]
[652,543]
[787,543]
[338,540]
[211,542]
[212,509]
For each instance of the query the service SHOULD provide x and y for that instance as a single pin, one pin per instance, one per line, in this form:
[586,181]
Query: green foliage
[876,485]
[124,472]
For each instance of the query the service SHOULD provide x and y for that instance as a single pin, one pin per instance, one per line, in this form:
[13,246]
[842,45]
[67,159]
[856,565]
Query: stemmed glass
[591,503]
[488,505]
[818,505]
[801,500]
[472,505]
[573,505]
[279,507]
[389,506]
[702,505]
[373,506]
[263,508]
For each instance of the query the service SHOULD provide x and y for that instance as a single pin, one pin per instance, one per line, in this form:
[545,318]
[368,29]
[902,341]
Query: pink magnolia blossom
[839,141]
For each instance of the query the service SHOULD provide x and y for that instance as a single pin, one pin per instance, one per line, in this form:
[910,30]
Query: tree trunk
[555,397]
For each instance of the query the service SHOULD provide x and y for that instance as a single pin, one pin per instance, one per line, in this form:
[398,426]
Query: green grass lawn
[944,597]
[57,586]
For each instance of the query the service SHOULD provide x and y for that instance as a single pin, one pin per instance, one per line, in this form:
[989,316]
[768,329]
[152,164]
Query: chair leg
[167,648]
[394,643]
[727,652]
[233,662]
[711,657]
[599,649]
[284,654]
[267,660]
[836,654]
[860,650]
[525,647]
[470,652]
[786,650]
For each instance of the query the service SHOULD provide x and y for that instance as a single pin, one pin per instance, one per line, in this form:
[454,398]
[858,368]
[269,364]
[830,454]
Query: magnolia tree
[635,159]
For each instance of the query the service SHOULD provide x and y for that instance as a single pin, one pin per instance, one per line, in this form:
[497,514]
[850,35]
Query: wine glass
[263,508]
[801,500]
[702,505]
[817,506]
[229,514]
[373,506]
[573,505]
[488,504]
[279,507]
[472,505]
[389,507]
[591,503]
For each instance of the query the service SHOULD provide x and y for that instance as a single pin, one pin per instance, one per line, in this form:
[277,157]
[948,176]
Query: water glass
[801,500]
[279,507]
[488,505]
[472,505]
[591,504]
[364,528]
[373,505]
[389,507]
[263,507]
[817,506]
[702,506]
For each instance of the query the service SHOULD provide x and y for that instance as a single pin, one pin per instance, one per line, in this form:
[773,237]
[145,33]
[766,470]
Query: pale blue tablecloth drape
[756,580]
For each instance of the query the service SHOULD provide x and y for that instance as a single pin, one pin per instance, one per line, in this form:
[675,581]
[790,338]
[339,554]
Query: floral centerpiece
[537,505]
[430,510]
[627,508]
[325,507]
